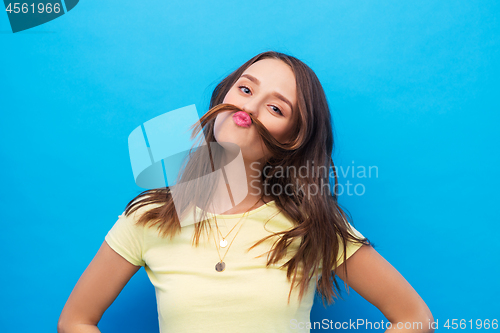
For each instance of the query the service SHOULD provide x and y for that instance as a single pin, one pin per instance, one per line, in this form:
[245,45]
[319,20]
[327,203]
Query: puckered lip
[241,118]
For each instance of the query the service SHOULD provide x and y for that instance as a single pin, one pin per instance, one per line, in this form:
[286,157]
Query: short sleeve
[127,239]
[351,246]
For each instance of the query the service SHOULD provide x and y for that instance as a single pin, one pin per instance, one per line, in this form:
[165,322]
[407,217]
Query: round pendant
[220,266]
[223,243]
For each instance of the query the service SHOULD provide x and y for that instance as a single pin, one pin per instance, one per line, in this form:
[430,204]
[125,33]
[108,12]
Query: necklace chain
[223,242]
[221,265]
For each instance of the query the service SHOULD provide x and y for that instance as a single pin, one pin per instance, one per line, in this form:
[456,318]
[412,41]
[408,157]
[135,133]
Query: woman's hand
[377,281]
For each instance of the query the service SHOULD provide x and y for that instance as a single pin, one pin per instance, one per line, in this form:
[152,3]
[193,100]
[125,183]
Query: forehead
[276,75]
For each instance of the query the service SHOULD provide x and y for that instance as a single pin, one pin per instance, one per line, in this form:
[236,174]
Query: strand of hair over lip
[277,149]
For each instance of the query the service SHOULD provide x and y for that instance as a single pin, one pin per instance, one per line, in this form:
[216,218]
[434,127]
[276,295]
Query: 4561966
[40,8]
[471,324]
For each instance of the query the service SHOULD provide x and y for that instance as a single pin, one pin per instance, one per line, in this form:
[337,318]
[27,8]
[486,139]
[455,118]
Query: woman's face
[267,90]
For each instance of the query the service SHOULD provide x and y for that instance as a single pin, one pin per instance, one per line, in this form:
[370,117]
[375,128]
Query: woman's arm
[95,291]
[377,281]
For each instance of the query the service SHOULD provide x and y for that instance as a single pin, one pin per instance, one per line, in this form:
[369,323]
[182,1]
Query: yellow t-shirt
[193,297]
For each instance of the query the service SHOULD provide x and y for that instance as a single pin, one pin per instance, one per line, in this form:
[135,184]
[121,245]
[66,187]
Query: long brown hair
[321,224]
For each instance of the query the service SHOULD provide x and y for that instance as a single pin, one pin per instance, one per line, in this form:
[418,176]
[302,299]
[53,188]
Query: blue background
[411,86]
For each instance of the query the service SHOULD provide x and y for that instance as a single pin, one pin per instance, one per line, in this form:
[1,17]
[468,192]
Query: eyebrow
[277,94]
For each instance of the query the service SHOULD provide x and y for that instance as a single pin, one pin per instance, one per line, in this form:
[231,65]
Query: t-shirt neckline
[237,215]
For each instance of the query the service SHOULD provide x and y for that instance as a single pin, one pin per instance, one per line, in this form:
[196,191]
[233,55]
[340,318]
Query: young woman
[251,264]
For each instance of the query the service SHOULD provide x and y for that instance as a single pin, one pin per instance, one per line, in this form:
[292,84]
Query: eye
[277,110]
[247,91]
[245,88]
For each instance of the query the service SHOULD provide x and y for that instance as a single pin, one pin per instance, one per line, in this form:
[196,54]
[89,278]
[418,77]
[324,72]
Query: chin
[227,131]
[231,143]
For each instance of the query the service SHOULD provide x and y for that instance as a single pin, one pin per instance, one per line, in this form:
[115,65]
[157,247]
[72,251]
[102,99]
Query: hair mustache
[277,149]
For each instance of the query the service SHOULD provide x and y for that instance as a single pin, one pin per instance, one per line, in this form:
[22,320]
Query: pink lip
[241,118]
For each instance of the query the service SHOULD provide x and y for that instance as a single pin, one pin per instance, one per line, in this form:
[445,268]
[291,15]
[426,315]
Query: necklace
[221,265]
[223,241]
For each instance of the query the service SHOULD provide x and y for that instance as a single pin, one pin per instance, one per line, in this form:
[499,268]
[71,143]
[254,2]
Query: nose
[251,107]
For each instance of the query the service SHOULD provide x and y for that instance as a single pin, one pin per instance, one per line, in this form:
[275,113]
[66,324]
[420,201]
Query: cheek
[280,131]
[218,124]
[217,127]
[231,97]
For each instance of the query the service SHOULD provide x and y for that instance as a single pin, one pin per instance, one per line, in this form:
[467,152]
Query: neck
[245,193]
